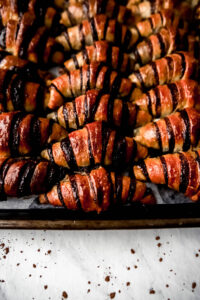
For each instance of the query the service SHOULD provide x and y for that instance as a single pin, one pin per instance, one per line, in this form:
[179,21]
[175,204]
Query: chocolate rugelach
[176,132]
[100,27]
[102,52]
[178,171]
[97,191]
[24,134]
[26,39]
[25,176]
[74,13]
[95,144]
[165,99]
[92,76]
[97,106]
[180,65]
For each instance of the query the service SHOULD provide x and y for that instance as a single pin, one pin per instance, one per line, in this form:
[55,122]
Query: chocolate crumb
[135,267]
[159,244]
[21,251]
[107,278]
[18,264]
[32,239]
[196,254]
[171,270]
[98,284]
[38,250]
[45,287]
[88,291]
[6,250]
[194,285]
[2,245]
[65,295]
[132,251]
[2,280]
[128,283]
[157,238]
[30,275]
[89,282]
[167,285]
[4,256]
[40,276]
[34,265]
[160,259]
[112,295]
[49,251]
[152,291]
[119,291]
[128,268]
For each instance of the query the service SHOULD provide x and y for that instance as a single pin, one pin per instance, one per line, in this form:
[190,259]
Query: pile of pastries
[124,110]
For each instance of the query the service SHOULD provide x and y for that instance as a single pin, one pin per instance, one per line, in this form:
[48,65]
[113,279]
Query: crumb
[32,239]
[2,245]
[107,278]
[119,291]
[2,280]
[65,295]
[132,251]
[135,267]
[167,285]
[38,250]
[160,259]
[40,276]
[89,282]
[98,284]
[128,283]
[45,287]
[159,244]
[171,270]
[18,264]
[152,291]
[98,266]
[196,254]
[157,238]
[49,251]
[4,256]
[128,268]
[112,295]
[88,291]
[30,275]
[34,265]
[194,285]
[21,251]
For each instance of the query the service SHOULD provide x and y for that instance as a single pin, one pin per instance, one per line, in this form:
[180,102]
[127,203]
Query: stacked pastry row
[100,116]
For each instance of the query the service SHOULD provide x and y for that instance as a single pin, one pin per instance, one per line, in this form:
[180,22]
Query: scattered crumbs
[132,251]
[38,250]
[135,267]
[45,287]
[194,285]
[152,291]
[160,259]
[89,282]
[159,244]
[167,285]
[30,275]
[157,238]
[128,268]
[107,278]
[119,291]
[18,264]
[196,254]
[88,291]
[112,295]
[65,295]
[128,283]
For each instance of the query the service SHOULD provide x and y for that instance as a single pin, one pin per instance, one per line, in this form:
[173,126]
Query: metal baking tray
[172,210]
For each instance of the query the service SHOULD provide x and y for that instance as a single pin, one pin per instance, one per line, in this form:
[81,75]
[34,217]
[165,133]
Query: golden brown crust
[24,134]
[96,191]
[93,145]
[180,65]
[179,171]
[177,132]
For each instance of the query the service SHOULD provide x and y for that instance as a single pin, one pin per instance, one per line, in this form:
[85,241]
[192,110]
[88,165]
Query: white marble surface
[43,264]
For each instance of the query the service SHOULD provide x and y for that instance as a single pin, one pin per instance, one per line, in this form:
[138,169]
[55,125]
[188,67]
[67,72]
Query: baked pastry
[25,176]
[100,27]
[92,76]
[102,52]
[180,65]
[179,171]
[165,99]
[97,191]
[97,106]
[95,144]
[176,132]
[22,134]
